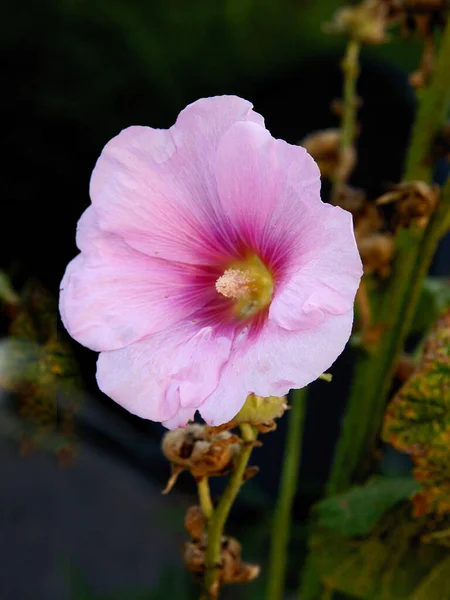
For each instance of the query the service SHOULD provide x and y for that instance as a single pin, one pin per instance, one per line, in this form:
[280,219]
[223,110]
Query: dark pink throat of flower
[248,285]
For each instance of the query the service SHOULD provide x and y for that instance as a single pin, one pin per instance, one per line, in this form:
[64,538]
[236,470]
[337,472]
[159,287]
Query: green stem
[218,520]
[204,496]
[288,488]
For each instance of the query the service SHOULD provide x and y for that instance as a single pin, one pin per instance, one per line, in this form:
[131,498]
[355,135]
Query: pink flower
[209,267]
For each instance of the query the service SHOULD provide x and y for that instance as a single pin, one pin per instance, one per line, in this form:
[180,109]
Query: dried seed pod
[195,522]
[415,202]
[200,450]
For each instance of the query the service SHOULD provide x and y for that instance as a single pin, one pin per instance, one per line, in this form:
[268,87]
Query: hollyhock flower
[209,267]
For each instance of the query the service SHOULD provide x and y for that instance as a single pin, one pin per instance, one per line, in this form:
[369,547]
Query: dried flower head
[366,22]
[209,269]
[415,202]
[200,450]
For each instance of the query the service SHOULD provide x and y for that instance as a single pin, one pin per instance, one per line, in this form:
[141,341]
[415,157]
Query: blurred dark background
[76,72]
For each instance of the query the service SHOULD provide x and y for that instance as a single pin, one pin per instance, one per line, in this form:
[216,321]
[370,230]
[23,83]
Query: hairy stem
[288,488]
[217,522]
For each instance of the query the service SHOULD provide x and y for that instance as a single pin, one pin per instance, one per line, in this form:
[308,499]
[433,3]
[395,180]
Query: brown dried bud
[231,568]
[377,251]
[337,106]
[194,557]
[422,17]
[200,450]
[366,22]
[415,202]
[405,367]
[420,78]
[441,145]
[195,522]
[324,147]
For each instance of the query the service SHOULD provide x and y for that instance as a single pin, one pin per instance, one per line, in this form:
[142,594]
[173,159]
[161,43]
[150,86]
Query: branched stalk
[415,249]
[286,495]
[218,519]
[374,373]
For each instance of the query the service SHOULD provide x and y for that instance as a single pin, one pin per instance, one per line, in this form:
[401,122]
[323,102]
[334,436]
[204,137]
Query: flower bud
[195,522]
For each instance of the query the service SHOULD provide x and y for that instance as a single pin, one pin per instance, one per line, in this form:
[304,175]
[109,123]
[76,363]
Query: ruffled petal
[165,377]
[156,188]
[329,279]
[276,362]
[112,295]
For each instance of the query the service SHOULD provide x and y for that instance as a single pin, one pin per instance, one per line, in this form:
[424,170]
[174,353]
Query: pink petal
[156,188]
[276,362]
[269,190]
[112,295]
[165,377]
[329,279]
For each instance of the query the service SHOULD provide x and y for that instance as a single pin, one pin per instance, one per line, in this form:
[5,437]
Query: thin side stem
[350,68]
[220,515]
[288,488]
[204,496]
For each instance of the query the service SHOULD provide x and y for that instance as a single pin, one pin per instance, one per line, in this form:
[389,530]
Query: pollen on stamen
[234,283]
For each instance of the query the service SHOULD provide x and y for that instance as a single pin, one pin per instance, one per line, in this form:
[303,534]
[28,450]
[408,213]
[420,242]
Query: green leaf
[357,511]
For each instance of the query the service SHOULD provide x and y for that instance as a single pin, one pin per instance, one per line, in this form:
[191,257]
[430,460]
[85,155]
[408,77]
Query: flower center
[249,284]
